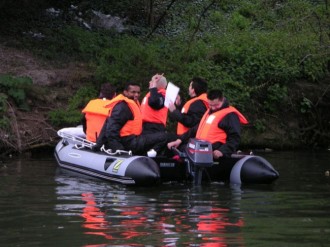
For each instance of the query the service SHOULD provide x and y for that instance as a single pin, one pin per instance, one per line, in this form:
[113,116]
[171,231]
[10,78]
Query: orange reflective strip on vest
[208,129]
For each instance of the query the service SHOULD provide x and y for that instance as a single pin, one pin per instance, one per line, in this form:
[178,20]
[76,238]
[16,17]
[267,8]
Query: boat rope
[81,146]
[81,143]
[120,152]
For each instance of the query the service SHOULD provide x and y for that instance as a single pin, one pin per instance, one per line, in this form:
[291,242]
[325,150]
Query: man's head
[107,91]
[215,99]
[132,91]
[197,87]
[159,81]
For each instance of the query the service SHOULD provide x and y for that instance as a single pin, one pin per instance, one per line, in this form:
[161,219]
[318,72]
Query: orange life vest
[151,115]
[208,129]
[132,127]
[182,128]
[95,114]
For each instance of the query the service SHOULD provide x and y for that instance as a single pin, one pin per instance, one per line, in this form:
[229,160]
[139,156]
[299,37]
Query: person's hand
[217,154]
[174,144]
[152,84]
[178,100]
[154,80]
[171,107]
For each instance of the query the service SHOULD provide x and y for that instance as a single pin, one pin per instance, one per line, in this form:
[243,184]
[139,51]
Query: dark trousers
[143,143]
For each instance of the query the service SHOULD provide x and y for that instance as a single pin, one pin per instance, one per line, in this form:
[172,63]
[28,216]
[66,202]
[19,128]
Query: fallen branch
[15,127]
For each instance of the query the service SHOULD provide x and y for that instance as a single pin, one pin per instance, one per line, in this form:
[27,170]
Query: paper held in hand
[171,93]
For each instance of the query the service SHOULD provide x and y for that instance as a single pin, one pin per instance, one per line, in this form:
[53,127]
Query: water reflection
[39,207]
[172,215]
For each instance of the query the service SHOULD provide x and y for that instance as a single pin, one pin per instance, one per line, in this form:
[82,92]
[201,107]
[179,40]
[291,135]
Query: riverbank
[54,83]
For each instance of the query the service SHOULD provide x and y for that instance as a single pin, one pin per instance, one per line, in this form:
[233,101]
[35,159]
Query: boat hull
[238,169]
[141,170]
[125,169]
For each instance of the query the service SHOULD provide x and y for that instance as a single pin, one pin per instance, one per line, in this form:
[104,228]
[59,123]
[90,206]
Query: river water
[42,205]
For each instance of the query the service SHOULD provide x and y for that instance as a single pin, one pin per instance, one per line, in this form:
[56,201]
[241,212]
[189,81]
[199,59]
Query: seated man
[123,128]
[154,112]
[220,125]
[194,109]
[95,113]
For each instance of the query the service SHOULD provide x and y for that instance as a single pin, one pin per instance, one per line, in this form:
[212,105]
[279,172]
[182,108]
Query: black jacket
[230,124]
[193,115]
[138,144]
[110,133]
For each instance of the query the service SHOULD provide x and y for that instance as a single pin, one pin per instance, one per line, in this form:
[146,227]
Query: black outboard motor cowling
[200,152]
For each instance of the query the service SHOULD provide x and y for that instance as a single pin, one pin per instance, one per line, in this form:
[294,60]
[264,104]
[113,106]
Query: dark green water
[41,205]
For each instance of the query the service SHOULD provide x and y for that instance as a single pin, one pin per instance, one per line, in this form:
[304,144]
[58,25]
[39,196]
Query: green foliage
[71,116]
[306,105]
[238,21]
[253,50]
[128,58]
[3,103]
[63,118]
[276,98]
[252,44]
[16,88]
[260,125]
[4,122]
[69,41]
[82,96]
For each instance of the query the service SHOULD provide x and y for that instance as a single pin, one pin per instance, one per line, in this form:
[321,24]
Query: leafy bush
[71,116]
[4,122]
[68,42]
[253,50]
[64,118]
[16,88]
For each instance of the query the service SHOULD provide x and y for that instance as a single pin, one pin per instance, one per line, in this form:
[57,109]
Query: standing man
[220,125]
[194,109]
[154,113]
[95,112]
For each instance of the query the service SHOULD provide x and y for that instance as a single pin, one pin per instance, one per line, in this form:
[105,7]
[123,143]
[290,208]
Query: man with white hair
[154,113]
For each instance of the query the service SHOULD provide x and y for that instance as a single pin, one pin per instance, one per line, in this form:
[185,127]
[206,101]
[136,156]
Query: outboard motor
[199,155]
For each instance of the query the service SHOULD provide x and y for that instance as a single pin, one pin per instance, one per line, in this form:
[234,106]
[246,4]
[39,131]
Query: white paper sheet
[171,93]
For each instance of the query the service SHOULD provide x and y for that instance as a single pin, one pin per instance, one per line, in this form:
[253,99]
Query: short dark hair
[129,83]
[199,85]
[215,94]
[107,91]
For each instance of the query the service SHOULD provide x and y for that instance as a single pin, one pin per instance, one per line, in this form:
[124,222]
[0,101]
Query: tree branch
[15,127]
[199,24]
[160,19]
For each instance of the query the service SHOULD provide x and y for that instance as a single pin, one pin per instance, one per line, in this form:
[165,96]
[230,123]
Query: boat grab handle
[120,152]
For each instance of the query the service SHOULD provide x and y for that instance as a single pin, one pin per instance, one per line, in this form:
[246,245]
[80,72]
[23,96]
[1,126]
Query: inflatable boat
[195,164]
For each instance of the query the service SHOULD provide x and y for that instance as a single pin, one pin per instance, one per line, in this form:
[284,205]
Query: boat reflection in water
[170,215]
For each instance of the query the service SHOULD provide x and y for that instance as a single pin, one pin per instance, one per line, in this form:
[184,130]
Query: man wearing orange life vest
[123,128]
[220,125]
[95,112]
[194,109]
[154,113]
